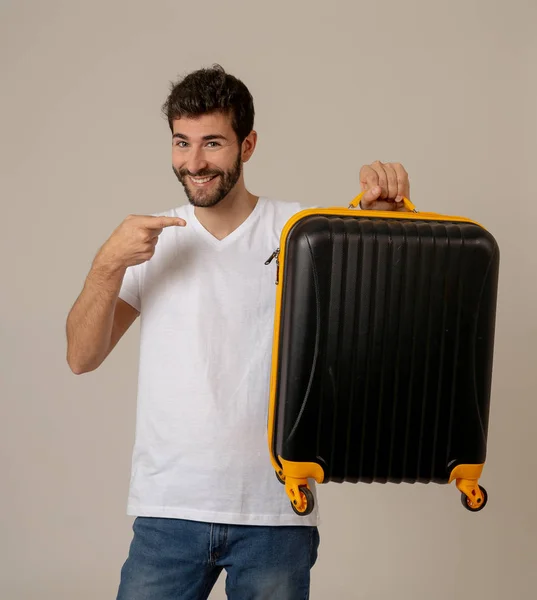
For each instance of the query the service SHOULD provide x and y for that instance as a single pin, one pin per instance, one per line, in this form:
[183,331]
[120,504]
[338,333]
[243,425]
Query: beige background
[447,88]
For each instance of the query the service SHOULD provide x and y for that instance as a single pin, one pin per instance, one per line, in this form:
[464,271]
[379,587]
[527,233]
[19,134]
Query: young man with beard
[203,490]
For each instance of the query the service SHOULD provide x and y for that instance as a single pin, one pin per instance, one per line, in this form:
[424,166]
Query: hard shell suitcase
[383,348]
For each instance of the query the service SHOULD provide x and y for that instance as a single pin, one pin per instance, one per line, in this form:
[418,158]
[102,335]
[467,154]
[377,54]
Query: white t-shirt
[207,318]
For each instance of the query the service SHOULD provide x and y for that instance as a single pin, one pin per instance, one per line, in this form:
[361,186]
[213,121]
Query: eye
[214,144]
[180,144]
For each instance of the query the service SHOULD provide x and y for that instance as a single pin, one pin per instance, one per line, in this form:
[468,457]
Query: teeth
[203,180]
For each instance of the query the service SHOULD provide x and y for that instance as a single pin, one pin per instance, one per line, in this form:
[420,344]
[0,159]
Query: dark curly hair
[210,90]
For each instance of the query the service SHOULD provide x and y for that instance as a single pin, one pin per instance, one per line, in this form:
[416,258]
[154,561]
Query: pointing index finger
[162,222]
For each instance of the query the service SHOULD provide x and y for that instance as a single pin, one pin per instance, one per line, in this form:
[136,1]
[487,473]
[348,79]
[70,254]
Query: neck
[223,218]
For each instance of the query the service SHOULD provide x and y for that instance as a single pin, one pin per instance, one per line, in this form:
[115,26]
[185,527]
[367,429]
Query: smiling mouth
[201,181]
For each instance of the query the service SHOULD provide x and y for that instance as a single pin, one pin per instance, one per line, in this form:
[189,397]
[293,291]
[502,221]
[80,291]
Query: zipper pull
[275,255]
[272,256]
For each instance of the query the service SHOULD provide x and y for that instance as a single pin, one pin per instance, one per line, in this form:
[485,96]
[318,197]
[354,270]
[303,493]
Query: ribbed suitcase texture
[385,347]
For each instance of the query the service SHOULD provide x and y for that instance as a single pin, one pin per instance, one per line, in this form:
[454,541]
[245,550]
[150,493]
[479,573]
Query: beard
[211,197]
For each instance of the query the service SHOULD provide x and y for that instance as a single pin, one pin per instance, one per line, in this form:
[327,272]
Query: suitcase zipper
[275,255]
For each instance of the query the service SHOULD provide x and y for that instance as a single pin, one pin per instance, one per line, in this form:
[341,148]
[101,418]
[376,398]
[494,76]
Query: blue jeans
[172,559]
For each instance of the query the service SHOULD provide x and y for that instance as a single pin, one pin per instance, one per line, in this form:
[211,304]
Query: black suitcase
[383,348]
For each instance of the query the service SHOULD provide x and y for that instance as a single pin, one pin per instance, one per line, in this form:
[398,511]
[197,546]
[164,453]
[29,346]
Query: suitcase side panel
[396,389]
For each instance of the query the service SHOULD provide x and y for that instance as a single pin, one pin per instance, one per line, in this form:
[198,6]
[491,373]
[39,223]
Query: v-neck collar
[236,233]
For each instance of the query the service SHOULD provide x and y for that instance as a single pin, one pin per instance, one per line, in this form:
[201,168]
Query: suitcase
[383,348]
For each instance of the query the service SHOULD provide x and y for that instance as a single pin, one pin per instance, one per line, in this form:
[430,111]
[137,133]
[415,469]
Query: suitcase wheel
[469,505]
[280,477]
[308,501]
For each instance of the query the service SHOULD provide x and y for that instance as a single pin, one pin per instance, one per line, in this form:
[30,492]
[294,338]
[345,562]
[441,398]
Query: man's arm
[99,318]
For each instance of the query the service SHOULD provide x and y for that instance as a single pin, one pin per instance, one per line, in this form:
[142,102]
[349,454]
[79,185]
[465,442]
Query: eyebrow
[205,138]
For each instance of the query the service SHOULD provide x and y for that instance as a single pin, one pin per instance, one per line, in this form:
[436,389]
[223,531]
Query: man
[203,490]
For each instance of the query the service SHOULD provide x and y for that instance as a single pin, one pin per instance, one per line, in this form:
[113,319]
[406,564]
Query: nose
[196,161]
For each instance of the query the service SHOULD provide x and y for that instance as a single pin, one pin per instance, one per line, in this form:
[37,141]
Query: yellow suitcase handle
[408,205]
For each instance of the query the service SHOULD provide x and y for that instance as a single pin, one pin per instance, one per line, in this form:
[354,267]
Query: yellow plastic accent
[296,474]
[467,481]
[301,470]
[408,205]
[295,496]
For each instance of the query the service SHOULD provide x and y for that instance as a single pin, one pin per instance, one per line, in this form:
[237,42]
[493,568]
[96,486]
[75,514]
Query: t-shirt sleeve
[130,290]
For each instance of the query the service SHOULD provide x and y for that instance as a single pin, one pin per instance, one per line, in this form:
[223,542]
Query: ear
[248,146]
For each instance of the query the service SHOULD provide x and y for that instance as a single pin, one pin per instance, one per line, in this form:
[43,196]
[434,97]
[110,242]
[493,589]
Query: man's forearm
[90,321]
